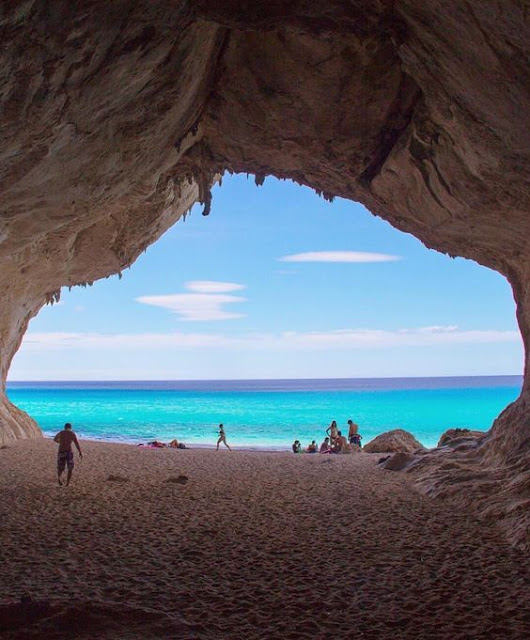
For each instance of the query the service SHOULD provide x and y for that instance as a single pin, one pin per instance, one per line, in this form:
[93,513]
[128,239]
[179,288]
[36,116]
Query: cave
[118,117]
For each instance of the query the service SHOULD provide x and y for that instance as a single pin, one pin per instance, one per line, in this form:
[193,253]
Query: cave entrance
[277,284]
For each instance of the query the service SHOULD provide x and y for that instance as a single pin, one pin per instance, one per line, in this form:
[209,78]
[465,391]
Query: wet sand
[252,545]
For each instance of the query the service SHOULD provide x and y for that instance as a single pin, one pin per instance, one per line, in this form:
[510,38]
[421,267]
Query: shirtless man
[353,435]
[353,429]
[65,457]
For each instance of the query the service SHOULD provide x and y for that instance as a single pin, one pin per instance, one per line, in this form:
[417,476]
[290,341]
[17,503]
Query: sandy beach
[151,543]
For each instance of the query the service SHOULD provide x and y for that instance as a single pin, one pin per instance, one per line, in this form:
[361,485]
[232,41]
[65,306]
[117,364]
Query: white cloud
[339,256]
[198,307]
[351,339]
[374,338]
[63,340]
[436,329]
[211,286]
[205,303]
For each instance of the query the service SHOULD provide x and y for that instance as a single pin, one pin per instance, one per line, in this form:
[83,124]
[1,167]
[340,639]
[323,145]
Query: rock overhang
[117,117]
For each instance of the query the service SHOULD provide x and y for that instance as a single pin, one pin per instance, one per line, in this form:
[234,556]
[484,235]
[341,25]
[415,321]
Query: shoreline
[212,447]
[199,446]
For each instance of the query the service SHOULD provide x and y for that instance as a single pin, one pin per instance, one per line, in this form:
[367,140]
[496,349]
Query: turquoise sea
[264,413]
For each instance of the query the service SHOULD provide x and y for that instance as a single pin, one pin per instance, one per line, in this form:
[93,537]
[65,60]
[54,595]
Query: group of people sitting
[334,442]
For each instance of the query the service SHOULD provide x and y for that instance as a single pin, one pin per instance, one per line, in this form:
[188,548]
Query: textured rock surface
[117,116]
[395,441]
[398,461]
[453,436]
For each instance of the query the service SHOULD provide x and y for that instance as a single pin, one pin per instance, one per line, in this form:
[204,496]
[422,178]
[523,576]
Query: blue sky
[279,283]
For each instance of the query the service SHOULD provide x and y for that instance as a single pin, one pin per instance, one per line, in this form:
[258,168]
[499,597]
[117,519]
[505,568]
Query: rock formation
[454,436]
[397,461]
[395,441]
[117,116]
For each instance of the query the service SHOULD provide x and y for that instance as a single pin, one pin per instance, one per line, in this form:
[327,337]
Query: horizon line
[485,375]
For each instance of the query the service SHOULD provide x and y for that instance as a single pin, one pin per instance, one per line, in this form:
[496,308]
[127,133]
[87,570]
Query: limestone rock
[116,117]
[397,441]
[449,436]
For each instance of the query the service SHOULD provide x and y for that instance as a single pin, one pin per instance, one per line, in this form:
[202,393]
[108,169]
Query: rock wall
[117,116]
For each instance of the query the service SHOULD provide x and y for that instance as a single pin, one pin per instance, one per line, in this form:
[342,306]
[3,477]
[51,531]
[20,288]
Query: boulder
[451,435]
[397,441]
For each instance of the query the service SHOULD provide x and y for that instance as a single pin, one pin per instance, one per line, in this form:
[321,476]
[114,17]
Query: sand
[251,545]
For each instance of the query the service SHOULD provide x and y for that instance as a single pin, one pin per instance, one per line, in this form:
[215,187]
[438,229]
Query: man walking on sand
[65,457]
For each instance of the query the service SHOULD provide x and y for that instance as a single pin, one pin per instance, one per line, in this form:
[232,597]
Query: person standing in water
[222,437]
[65,456]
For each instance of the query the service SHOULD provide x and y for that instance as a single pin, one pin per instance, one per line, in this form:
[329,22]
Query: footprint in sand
[178,480]
[112,478]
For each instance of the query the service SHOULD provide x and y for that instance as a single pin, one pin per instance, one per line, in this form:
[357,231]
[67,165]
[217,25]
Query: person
[222,437]
[312,448]
[65,455]
[175,444]
[353,429]
[355,442]
[324,447]
[296,446]
[156,444]
[353,435]
[332,432]
[340,445]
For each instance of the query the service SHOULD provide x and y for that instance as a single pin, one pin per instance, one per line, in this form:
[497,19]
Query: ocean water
[264,413]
